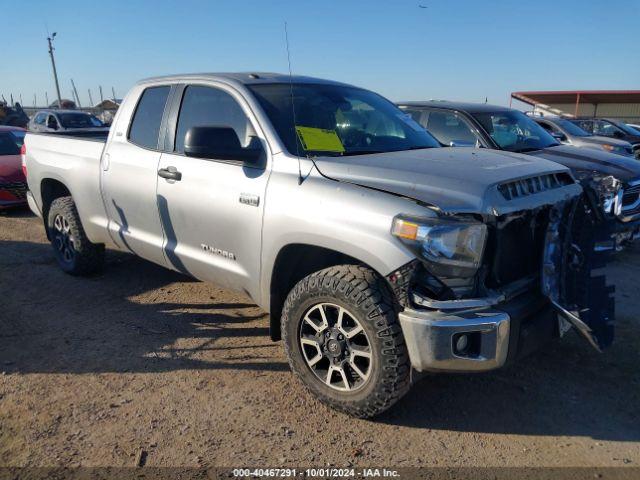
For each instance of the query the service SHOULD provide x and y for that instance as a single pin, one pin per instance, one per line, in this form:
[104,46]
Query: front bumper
[496,335]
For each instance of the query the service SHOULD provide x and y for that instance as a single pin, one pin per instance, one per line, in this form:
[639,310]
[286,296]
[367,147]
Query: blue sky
[457,49]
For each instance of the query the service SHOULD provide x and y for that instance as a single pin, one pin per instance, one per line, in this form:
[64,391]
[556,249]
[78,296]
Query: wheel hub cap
[335,347]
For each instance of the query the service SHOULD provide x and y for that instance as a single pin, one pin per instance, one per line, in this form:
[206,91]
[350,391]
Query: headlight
[450,247]
[607,187]
[613,148]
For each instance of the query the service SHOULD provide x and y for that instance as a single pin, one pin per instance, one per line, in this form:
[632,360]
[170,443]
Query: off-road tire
[88,257]
[368,297]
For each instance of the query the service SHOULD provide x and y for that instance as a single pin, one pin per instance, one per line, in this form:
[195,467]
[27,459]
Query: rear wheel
[74,252]
[343,340]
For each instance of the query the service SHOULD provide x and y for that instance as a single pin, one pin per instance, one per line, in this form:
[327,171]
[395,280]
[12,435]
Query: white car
[65,121]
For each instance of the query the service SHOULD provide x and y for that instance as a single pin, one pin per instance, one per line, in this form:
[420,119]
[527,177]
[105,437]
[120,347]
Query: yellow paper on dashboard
[319,139]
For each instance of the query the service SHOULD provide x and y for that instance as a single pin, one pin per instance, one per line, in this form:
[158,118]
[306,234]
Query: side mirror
[218,142]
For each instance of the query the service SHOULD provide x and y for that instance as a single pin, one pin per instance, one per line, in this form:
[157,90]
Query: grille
[532,185]
[631,199]
[17,189]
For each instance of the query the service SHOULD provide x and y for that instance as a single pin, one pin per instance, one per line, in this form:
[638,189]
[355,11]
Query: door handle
[170,173]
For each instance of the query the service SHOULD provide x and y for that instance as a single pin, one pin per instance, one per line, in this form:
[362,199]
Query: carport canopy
[578,97]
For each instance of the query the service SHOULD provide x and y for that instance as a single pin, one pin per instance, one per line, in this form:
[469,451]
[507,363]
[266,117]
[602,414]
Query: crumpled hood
[623,168]
[455,180]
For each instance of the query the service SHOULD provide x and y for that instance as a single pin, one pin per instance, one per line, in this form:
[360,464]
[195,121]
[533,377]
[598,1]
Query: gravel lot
[94,370]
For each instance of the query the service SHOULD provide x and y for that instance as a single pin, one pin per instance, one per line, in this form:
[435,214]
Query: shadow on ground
[54,323]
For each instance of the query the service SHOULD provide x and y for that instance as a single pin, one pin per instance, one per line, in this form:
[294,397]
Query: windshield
[572,128]
[79,120]
[338,120]
[627,129]
[514,131]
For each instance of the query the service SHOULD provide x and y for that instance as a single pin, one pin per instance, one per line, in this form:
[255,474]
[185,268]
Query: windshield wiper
[361,152]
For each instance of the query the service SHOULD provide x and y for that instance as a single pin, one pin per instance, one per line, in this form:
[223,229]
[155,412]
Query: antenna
[293,107]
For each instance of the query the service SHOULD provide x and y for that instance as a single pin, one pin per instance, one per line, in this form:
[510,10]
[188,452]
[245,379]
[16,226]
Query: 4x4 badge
[250,199]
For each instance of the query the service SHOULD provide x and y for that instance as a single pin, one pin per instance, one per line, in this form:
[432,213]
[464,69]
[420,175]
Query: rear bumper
[495,336]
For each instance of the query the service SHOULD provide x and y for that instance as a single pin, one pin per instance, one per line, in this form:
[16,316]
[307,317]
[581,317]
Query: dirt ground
[93,370]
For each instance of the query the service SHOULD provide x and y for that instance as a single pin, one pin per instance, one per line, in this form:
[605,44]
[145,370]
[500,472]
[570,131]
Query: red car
[13,184]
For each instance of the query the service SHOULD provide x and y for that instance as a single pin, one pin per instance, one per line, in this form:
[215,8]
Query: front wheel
[342,338]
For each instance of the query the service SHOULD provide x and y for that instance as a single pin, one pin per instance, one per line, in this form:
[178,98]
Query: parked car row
[374,249]
[569,133]
[501,128]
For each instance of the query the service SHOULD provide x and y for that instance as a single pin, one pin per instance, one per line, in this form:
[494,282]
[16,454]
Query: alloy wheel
[335,347]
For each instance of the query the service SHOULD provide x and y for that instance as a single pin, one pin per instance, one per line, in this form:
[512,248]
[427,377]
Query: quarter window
[145,126]
[207,106]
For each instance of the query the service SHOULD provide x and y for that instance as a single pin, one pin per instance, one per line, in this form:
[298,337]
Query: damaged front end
[513,282]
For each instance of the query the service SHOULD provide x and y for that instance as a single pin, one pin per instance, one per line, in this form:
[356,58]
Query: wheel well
[51,189]
[293,263]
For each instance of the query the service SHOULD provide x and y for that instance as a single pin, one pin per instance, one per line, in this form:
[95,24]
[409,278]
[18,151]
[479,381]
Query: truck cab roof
[243,78]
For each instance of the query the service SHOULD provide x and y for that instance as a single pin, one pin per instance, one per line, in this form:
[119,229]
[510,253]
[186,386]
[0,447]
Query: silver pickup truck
[373,249]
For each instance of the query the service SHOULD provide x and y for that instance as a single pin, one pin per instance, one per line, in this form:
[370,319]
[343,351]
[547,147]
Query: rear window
[147,118]
[8,144]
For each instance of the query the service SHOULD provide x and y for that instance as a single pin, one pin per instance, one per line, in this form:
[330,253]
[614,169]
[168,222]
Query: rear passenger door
[130,174]
[212,215]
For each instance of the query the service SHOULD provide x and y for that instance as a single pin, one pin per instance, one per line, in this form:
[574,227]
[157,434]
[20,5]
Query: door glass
[145,125]
[207,106]
[448,127]
[52,122]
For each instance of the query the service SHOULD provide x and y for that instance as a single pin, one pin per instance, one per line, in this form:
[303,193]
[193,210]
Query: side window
[147,118]
[52,122]
[448,127]
[208,106]
[415,114]
[548,127]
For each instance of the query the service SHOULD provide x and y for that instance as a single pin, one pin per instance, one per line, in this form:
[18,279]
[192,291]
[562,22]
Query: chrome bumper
[431,337]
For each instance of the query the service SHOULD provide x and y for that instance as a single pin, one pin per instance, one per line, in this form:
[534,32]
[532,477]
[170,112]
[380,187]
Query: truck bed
[73,159]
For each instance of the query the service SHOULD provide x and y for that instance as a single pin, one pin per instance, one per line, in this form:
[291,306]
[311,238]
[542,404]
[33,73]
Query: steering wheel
[357,138]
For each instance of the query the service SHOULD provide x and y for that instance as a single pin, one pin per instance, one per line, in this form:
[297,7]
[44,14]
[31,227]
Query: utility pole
[75,90]
[101,97]
[53,64]
[114,94]
[90,98]
[46,98]
[35,100]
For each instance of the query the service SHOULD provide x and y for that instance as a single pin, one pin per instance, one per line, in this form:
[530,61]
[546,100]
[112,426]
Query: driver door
[212,214]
